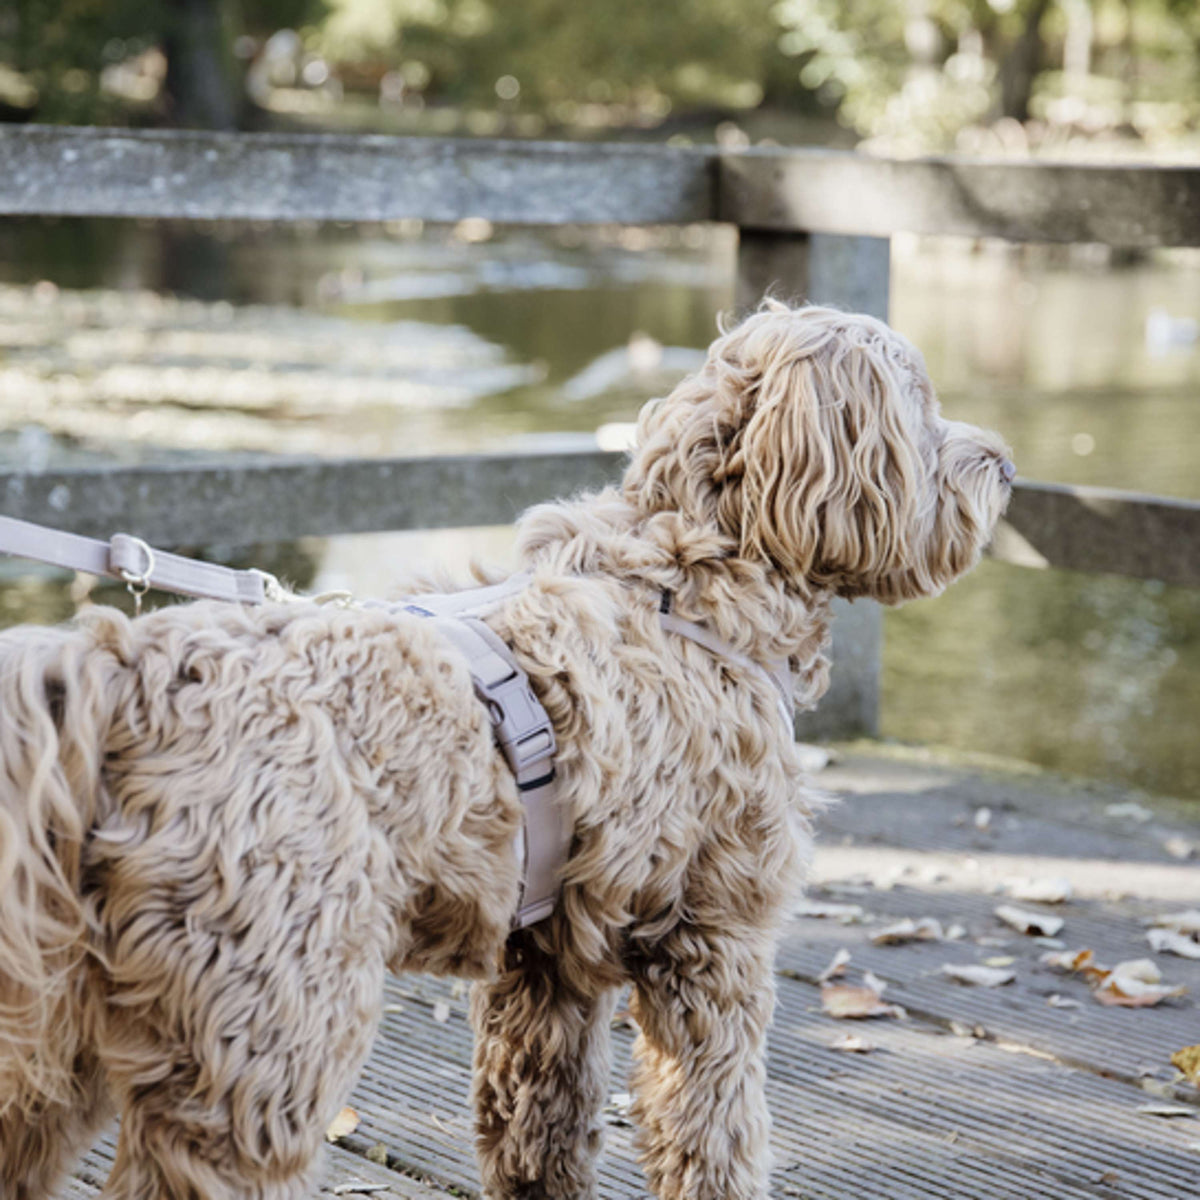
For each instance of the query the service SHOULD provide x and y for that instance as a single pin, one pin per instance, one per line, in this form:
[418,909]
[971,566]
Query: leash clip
[137,583]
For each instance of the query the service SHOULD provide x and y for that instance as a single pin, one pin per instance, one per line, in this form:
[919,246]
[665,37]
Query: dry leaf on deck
[1029,922]
[851,1043]
[927,929]
[837,965]
[1081,962]
[1040,891]
[344,1124]
[1169,941]
[1187,921]
[978,975]
[1188,1061]
[1135,984]
[847,1001]
[1057,1001]
[441,1011]
[1178,847]
[983,818]
[1167,1110]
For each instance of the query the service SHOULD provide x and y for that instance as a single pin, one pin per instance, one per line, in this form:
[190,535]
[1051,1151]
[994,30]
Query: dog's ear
[833,470]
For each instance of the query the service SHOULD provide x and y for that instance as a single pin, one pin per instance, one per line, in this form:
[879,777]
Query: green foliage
[916,73]
[706,53]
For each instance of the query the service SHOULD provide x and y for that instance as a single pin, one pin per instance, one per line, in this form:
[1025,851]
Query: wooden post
[851,273]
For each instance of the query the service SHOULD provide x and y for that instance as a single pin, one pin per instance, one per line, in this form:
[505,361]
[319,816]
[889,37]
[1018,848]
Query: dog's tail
[55,700]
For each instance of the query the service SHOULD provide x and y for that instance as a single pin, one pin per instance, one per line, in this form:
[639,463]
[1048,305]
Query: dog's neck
[747,604]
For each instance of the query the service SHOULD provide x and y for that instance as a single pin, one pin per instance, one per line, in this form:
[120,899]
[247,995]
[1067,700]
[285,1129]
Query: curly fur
[220,826]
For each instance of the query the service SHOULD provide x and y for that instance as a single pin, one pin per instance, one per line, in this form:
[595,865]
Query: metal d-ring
[138,584]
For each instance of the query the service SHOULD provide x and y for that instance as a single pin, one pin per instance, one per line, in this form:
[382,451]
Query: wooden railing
[812,224]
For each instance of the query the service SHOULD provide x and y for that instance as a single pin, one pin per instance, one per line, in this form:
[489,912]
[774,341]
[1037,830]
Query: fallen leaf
[378,1154]
[978,975]
[983,818]
[1057,1001]
[1040,891]
[1188,1061]
[837,965]
[1135,984]
[1187,921]
[1108,1177]
[1180,848]
[851,1043]
[1142,970]
[1029,922]
[847,914]
[1131,811]
[1169,941]
[959,1029]
[441,1012]
[1167,1110]
[955,932]
[927,929]
[1081,962]
[616,1111]
[999,960]
[357,1187]
[871,980]
[845,1001]
[345,1123]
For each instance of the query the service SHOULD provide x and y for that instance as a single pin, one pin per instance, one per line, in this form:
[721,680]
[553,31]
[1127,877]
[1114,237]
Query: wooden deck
[978,1092]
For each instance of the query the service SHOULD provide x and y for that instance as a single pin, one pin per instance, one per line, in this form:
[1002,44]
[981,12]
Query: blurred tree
[547,53]
[54,55]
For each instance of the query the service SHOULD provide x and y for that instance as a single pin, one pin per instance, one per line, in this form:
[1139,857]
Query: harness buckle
[522,728]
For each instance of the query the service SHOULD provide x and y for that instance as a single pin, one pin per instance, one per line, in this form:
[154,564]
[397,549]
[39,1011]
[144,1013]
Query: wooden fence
[811,224]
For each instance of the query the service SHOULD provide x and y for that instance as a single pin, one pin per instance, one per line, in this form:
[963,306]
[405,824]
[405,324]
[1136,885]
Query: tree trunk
[1022,63]
[202,84]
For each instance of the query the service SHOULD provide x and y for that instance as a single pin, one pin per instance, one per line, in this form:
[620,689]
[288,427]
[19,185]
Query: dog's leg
[703,1000]
[39,1142]
[541,1075]
[223,1118]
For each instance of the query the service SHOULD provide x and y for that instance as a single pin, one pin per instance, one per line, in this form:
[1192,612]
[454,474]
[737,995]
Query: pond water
[126,341]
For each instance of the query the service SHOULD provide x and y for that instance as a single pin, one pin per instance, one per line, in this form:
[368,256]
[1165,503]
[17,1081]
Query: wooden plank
[1101,530]
[826,191]
[241,503]
[1047,525]
[55,170]
[208,176]
[269,500]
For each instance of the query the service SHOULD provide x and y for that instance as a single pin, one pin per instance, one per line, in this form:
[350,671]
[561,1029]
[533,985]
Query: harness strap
[777,673]
[522,729]
[132,560]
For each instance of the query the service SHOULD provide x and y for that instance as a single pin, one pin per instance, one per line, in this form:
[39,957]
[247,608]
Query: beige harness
[521,726]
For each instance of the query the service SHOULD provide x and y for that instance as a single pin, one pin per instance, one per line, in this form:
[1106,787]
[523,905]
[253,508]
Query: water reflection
[411,339]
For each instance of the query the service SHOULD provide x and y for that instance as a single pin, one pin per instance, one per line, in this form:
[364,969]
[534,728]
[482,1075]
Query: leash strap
[138,564]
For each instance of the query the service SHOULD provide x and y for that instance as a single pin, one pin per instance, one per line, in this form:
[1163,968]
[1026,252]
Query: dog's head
[813,439]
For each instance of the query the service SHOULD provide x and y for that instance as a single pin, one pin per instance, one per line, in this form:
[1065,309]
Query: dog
[221,825]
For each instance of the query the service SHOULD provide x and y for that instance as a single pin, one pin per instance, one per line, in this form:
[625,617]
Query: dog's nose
[1008,470]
